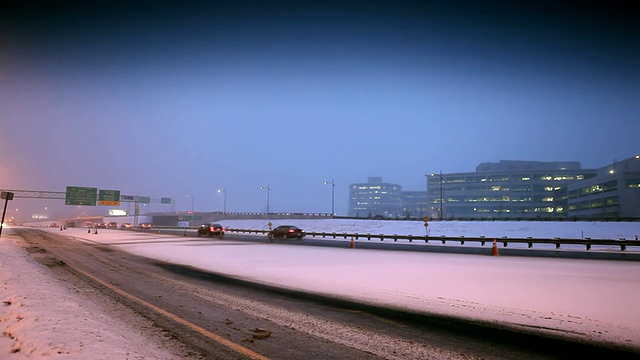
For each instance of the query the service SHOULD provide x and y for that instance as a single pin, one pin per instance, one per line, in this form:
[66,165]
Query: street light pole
[268,191]
[426,201]
[224,203]
[193,200]
[441,195]
[333,195]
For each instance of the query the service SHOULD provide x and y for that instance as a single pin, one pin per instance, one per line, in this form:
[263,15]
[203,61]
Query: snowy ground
[42,317]
[590,299]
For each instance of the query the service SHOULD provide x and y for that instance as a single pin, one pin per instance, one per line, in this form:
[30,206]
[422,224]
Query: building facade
[414,204]
[507,189]
[613,193]
[510,190]
[375,198]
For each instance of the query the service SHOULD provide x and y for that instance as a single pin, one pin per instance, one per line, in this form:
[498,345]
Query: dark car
[211,229]
[144,226]
[286,232]
[113,225]
[101,225]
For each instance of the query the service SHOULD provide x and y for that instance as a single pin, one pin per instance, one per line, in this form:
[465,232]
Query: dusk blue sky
[169,98]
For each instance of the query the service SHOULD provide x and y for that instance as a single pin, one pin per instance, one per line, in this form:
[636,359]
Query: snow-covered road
[592,300]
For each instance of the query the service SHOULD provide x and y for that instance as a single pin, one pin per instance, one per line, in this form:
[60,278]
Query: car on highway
[71,224]
[101,225]
[112,225]
[286,232]
[126,226]
[88,224]
[144,226]
[211,229]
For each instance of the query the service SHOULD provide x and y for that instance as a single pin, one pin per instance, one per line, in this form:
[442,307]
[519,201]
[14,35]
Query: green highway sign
[109,197]
[189,217]
[165,200]
[144,199]
[77,195]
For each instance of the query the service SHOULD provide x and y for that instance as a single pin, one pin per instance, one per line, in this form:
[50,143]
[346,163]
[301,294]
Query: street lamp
[193,200]
[441,199]
[333,195]
[224,203]
[268,191]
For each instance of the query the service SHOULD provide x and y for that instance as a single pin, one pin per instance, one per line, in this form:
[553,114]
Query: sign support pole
[6,196]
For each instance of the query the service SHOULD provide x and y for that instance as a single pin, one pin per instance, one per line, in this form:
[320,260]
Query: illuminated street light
[224,204]
[268,191]
[333,197]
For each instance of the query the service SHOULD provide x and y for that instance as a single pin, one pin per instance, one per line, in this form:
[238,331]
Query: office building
[414,204]
[613,193]
[375,198]
[507,189]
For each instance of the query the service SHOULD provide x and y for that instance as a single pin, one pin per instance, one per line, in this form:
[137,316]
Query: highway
[226,317]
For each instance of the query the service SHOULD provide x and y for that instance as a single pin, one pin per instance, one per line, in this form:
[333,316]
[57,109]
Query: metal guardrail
[558,242]
[588,243]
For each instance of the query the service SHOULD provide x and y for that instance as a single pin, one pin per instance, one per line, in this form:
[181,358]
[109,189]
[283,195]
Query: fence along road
[608,249]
